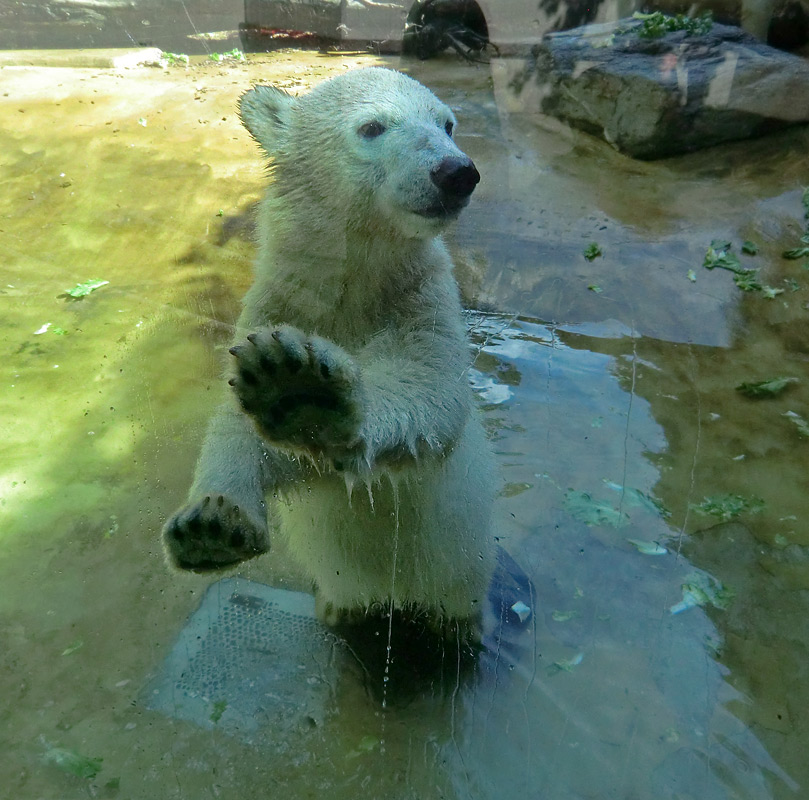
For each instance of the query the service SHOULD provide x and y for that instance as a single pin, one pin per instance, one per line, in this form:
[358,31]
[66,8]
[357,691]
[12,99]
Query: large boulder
[656,97]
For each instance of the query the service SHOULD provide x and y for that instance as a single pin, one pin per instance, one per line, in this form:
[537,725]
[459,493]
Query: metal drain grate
[253,660]
[249,656]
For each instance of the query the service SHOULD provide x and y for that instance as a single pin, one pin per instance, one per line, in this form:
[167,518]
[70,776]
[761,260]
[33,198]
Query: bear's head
[371,148]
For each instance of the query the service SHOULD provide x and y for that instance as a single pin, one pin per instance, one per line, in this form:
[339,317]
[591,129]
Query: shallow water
[607,386]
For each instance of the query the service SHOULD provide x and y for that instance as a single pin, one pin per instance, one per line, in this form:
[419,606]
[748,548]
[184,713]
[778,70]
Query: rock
[651,98]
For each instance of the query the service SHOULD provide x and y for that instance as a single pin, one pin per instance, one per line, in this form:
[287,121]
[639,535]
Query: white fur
[398,507]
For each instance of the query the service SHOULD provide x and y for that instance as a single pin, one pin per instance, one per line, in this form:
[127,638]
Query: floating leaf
[692,596]
[701,589]
[606,41]
[637,498]
[762,389]
[219,707]
[592,251]
[521,610]
[770,292]
[569,664]
[728,506]
[83,289]
[719,255]
[513,489]
[77,645]
[747,280]
[584,508]
[750,248]
[692,276]
[800,423]
[648,548]
[73,762]
[366,745]
[798,252]
[594,288]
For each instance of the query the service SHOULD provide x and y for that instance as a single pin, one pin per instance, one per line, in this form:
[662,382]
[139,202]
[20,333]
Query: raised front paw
[301,391]
[213,533]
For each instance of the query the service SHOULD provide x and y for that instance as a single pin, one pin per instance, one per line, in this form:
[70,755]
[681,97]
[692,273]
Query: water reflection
[637,692]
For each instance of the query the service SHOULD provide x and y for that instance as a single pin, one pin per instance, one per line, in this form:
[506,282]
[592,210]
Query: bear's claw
[213,534]
[300,390]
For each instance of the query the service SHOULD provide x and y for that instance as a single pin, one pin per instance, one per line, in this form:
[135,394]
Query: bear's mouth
[444,209]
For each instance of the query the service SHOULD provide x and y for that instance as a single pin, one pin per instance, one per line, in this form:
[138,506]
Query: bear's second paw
[301,391]
[213,533]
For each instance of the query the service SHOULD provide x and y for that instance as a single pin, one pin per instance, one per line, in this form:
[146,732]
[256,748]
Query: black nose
[455,176]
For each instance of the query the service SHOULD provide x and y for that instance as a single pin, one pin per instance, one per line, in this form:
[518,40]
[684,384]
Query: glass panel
[633,270]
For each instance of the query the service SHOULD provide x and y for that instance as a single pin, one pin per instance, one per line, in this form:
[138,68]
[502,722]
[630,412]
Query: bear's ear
[265,112]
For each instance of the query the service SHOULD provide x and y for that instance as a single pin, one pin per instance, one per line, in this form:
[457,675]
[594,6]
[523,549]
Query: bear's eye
[371,129]
[448,126]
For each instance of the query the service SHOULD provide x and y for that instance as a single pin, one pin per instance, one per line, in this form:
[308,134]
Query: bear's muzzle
[455,176]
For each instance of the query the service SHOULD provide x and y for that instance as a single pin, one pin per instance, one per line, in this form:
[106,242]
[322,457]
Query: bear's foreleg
[302,392]
[225,519]
[404,397]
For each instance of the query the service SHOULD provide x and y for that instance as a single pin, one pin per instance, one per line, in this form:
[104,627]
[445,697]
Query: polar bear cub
[351,407]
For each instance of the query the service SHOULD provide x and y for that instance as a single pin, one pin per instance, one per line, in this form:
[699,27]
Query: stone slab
[652,98]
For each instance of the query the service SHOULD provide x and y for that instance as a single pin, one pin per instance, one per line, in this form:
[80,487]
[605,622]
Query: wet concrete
[618,372]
